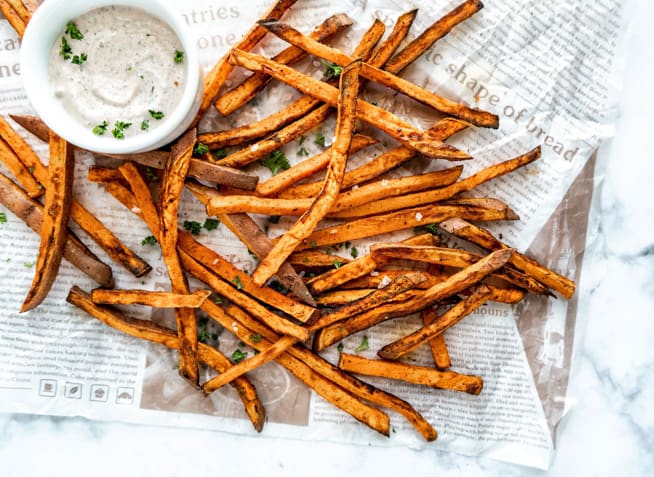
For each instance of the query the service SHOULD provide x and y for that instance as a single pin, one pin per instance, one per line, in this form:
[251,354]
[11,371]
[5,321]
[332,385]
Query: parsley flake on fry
[237,281]
[200,149]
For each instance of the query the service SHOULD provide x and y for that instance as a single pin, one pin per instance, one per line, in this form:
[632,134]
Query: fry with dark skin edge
[357,268]
[250,87]
[382,277]
[31,212]
[400,285]
[400,31]
[436,195]
[154,299]
[335,394]
[295,110]
[485,239]
[437,345]
[454,284]
[249,233]
[411,374]
[397,128]
[398,348]
[403,219]
[306,168]
[172,185]
[316,258]
[20,172]
[33,125]
[343,297]
[104,175]
[269,354]
[345,123]
[56,208]
[451,108]
[443,129]
[216,77]
[13,18]
[150,331]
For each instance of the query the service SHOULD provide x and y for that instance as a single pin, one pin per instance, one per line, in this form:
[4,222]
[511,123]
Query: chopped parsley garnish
[362,346]
[354,252]
[119,128]
[101,128]
[145,125]
[337,264]
[211,224]
[276,162]
[192,226]
[65,51]
[274,219]
[431,228]
[179,56]
[313,244]
[73,31]
[332,70]
[340,347]
[255,338]
[29,264]
[237,281]
[156,114]
[320,139]
[79,59]
[3,218]
[278,287]
[204,334]
[149,240]
[238,355]
[150,175]
[200,149]
[216,299]
[302,139]
[219,153]
[302,151]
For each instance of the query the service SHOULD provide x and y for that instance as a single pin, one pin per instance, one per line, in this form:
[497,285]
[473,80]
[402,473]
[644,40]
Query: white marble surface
[609,432]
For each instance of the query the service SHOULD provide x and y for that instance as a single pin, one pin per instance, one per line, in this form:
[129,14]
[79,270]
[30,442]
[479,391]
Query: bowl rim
[46,25]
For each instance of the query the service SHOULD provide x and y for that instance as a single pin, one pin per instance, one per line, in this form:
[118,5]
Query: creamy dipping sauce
[118,71]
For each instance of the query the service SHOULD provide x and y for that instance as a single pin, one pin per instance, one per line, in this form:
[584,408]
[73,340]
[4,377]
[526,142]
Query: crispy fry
[171,190]
[154,299]
[104,175]
[58,197]
[379,279]
[150,331]
[20,172]
[454,284]
[437,345]
[248,89]
[443,105]
[306,168]
[403,219]
[400,31]
[428,197]
[21,10]
[13,18]
[339,397]
[483,238]
[343,297]
[507,295]
[411,373]
[31,5]
[357,268]
[218,74]
[432,34]
[347,104]
[31,212]
[444,129]
[423,142]
[33,125]
[269,354]
[396,287]
[291,113]
[316,258]
[395,350]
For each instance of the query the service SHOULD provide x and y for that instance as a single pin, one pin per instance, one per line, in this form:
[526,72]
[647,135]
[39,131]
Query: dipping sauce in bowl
[113,77]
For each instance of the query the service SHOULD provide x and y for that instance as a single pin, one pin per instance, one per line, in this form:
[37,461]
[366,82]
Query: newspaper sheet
[544,67]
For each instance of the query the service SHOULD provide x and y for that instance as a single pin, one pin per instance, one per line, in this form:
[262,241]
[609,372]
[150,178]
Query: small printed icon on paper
[73,390]
[125,396]
[99,392]
[48,388]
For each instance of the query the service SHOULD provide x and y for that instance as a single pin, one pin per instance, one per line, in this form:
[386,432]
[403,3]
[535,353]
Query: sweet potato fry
[443,105]
[104,175]
[150,331]
[432,34]
[269,354]
[411,374]
[428,197]
[444,129]
[456,283]
[400,31]
[380,279]
[248,89]
[437,345]
[342,297]
[485,239]
[339,397]
[58,197]
[316,258]
[400,220]
[32,124]
[31,212]
[306,168]
[423,142]
[395,350]
[218,74]
[396,287]
[20,172]
[171,190]
[357,268]
[21,10]
[30,5]
[153,299]
[13,17]
[345,123]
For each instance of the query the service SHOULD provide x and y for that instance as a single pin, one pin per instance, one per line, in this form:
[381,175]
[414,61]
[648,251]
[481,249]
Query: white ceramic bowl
[49,22]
